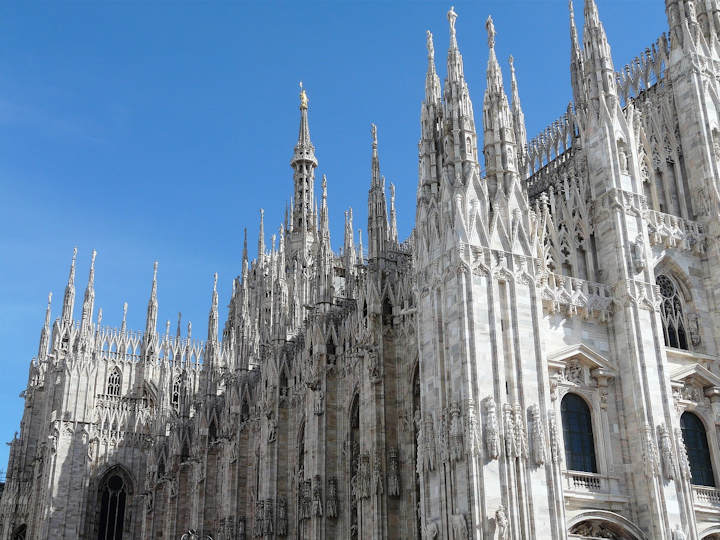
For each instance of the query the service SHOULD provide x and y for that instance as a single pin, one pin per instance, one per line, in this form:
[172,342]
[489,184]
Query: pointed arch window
[114,382]
[672,313]
[175,394]
[578,434]
[113,495]
[698,451]
[20,533]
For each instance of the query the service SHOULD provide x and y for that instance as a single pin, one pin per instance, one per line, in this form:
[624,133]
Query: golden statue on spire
[303,97]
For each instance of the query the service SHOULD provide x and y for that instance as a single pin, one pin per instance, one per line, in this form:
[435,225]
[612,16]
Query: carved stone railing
[706,496]
[585,481]
[575,296]
[675,232]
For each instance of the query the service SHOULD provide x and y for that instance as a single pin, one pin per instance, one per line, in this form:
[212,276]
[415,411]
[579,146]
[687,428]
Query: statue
[490,26]
[332,498]
[430,46]
[678,534]
[317,506]
[501,523]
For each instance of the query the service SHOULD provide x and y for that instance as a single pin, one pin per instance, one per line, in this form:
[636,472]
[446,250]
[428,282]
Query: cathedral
[539,359]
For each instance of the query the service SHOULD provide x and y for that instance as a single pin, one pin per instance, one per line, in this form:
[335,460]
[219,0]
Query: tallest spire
[304,164]
[599,69]
[69,299]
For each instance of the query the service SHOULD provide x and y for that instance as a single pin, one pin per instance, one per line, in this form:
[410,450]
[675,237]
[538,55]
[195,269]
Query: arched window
[698,452]
[578,434]
[672,315]
[175,395]
[114,383]
[113,494]
[19,533]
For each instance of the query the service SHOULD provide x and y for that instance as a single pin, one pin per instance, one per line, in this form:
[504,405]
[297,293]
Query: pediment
[592,359]
[697,373]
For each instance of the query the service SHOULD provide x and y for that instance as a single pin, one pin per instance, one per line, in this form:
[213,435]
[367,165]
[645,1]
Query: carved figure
[268,518]
[666,452]
[258,528]
[502,525]
[456,433]
[282,516]
[538,439]
[459,527]
[317,505]
[331,502]
[394,474]
[492,433]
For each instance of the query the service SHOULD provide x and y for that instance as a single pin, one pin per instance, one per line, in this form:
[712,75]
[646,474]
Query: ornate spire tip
[490,26]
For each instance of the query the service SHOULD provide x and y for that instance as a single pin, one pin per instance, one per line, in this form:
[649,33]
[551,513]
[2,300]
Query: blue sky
[157,130]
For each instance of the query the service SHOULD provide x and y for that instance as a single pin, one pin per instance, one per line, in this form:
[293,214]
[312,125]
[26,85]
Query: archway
[113,504]
[603,524]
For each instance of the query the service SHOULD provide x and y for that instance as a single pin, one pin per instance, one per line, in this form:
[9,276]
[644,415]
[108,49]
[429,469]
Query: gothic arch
[668,265]
[616,522]
[113,494]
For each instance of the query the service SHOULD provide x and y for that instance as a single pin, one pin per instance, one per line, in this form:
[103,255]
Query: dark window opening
[578,434]
[112,509]
[698,452]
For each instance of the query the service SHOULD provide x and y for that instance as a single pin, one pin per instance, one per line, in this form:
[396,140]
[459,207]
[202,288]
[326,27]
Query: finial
[99,319]
[47,311]
[303,97]
[512,63]
[572,9]
[215,276]
[324,186]
[373,131]
[451,15]
[430,45]
[71,278]
[179,323]
[490,26]
[123,325]
[189,330]
[167,328]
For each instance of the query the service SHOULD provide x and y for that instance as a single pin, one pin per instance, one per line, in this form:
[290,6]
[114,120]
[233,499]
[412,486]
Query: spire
[432,81]
[349,244]
[261,238]
[178,332]
[577,70]
[459,136]
[69,299]
[45,332]
[518,118]
[454,60]
[393,216]
[324,215]
[598,59]
[500,147]
[361,255]
[494,74]
[123,325]
[213,317]
[304,164]
[377,205]
[89,299]
[152,309]
[245,255]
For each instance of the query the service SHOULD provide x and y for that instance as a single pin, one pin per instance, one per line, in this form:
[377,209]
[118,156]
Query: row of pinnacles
[349,395]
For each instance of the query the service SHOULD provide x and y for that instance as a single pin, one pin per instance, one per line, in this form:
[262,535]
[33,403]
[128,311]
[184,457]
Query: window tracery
[114,383]
[672,314]
[113,494]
